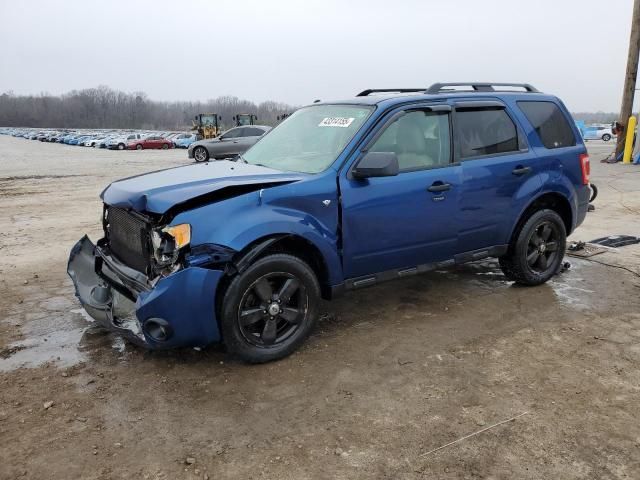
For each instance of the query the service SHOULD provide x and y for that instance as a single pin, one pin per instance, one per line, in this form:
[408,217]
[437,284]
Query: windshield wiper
[241,159]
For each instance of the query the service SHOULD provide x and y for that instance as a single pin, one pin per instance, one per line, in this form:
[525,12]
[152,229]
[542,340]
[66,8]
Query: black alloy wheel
[536,250]
[272,309]
[268,310]
[543,247]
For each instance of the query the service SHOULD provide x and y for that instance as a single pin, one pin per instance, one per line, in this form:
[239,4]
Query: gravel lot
[392,373]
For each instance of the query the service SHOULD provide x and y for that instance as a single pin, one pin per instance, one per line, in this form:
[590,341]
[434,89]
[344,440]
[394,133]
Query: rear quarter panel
[559,168]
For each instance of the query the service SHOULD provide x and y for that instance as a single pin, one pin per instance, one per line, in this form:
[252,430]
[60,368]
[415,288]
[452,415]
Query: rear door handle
[520,170]
[439,187]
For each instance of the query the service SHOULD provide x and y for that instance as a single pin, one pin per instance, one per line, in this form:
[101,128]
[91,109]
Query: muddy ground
[392,373]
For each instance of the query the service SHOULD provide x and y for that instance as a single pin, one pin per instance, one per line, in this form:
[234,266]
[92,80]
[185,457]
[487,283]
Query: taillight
[585,167]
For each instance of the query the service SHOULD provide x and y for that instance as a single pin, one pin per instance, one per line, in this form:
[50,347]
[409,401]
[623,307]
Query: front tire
[536,252]
[200,154]
[270,309]
[165,146]
[606,137]
[121,146]
[139,147]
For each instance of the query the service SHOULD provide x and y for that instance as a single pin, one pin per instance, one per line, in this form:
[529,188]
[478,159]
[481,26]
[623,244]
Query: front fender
[238,222]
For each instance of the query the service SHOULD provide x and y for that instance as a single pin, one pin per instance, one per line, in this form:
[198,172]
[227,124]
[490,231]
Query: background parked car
[598,132]
[184,140]
[230,144]
[150,142]
[121,142]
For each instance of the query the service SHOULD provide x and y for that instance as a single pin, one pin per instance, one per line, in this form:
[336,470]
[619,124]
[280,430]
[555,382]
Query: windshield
[310,139]
[208,120]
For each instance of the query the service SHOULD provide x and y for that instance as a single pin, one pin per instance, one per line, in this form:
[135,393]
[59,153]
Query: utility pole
[631,76]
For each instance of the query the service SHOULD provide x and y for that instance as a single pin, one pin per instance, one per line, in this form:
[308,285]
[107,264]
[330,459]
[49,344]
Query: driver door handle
[439,187]
[520,170]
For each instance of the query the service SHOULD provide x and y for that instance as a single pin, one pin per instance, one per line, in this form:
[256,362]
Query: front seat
[411,146]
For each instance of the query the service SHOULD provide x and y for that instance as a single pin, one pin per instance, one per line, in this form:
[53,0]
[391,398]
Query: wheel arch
[550,200]
[291,244]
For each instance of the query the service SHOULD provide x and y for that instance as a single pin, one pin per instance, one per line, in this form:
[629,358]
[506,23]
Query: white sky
[297,51]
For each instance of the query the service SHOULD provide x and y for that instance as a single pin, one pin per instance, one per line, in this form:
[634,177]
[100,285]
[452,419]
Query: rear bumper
[122,300]
[582,199]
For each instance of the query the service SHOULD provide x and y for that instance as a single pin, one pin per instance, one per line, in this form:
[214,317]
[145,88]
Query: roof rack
[478,87]
[369,91]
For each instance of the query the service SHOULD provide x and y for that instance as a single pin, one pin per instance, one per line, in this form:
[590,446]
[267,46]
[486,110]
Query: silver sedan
[230,144]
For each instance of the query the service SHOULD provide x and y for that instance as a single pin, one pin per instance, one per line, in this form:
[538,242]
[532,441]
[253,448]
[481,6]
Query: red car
[150,142]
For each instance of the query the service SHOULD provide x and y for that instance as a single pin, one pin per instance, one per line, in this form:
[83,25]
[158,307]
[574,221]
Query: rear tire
[536,251]
[606,137]
[139,147]
[270,309]
[200,154]
[121,146]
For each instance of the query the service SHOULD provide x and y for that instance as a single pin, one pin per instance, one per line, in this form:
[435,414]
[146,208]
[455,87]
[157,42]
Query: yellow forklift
[207,125]
[243,119]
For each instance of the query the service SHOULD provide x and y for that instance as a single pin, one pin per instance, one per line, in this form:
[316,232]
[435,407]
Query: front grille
[128,238]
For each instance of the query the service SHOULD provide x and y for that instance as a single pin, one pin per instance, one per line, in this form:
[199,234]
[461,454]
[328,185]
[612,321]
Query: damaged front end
[142,283]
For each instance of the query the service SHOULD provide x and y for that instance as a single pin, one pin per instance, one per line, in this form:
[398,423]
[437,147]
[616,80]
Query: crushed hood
[157,192]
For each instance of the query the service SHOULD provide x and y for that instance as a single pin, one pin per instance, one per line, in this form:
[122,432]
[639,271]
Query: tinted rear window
[485,132]
[549,122]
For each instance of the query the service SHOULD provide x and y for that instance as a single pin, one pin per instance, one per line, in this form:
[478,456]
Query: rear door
[407,220]
[250,136]
[498,173]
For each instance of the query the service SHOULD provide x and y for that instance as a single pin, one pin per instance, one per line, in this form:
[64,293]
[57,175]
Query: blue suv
[340,196]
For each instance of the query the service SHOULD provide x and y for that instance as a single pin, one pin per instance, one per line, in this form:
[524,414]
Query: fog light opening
[101,294]
[157,329]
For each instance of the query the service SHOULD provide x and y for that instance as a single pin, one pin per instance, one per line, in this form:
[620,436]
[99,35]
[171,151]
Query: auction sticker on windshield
[336,122]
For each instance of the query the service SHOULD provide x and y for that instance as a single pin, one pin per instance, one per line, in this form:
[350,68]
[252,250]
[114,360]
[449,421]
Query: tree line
[103,107]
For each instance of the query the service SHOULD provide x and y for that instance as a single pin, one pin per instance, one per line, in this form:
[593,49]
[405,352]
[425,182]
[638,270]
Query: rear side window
[234,133]
[252,132]
[485,131]
[549,122]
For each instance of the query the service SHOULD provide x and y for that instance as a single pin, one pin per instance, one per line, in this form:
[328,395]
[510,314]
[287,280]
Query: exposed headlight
[168,241]
[180,233]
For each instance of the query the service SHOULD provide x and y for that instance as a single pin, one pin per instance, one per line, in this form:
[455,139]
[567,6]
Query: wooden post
[631,76]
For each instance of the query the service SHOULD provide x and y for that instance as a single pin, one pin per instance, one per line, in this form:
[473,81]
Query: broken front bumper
[177,311]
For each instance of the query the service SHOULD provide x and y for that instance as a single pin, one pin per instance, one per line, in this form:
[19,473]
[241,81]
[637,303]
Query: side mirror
[377,164]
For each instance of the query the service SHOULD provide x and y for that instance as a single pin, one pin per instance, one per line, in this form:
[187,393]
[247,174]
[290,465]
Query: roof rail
[479,86]
[369,91]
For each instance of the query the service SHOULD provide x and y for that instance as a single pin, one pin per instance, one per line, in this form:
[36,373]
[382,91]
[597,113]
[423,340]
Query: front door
[406,220]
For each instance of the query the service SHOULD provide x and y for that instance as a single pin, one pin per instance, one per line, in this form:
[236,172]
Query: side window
[420,139]
[485,131]
[253,132]
[233,133]
[549,123]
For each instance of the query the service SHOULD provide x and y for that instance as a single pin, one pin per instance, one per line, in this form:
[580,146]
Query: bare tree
[103,107]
